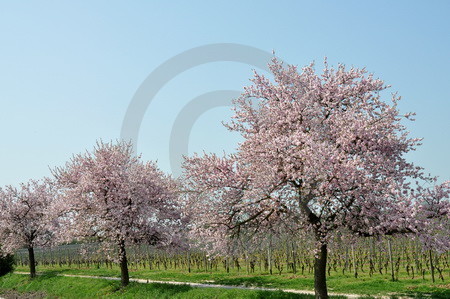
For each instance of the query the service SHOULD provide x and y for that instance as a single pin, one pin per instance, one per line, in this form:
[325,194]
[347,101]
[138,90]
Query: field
[51,286]
[363,268]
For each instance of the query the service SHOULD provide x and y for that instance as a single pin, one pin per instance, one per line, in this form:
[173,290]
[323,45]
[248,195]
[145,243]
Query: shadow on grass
[422,295]
[152,290]
[440,294]
[48,274]
[170,288]
[280,294]
[245,281]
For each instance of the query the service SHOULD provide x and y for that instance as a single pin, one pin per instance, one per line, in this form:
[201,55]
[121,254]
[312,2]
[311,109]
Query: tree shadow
[281,294]
[157,290]
[170,289]
[48,274]
[284,295]
[245,281]
[440,294]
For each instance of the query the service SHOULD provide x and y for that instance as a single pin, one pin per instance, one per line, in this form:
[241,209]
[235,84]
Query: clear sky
[68,69]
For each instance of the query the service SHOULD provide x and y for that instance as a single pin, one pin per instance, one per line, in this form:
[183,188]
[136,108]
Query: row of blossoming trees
[321,154]
[108,195]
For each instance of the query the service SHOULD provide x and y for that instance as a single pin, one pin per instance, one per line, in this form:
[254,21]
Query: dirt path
[207,285]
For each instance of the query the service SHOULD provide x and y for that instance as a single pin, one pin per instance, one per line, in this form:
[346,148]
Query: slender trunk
[124,276]
[431,265]
[247,265]
[32,262]
[355,267]
[189,261]
[391,260]
[294,258]
[269,255]
[320,268]
[287,256]
[227,262]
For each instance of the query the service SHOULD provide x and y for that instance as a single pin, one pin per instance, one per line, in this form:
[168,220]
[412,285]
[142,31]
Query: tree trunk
[355,266]
[320,270]
[124,276]
[32,262]
[431,265]
[189,261]
[391,260]
[269,259]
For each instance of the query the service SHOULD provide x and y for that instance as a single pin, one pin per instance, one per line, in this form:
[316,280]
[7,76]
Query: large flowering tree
[320,152]
[25,217]
[112,196]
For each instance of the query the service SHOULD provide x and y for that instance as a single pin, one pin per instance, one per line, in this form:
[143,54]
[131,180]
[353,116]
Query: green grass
[51,286]
[364,285]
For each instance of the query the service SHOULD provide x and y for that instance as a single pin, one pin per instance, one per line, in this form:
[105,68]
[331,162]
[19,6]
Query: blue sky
[68,70]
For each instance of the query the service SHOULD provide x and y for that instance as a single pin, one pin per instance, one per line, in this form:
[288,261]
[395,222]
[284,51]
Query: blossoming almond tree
[25,218]
[112,195]
[322,152]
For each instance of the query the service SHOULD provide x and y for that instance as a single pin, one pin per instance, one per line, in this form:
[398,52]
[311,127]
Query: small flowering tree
[25,218]
[111,195]
[431,213]
[320,152]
